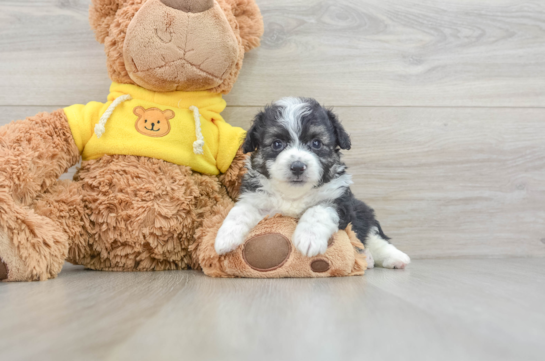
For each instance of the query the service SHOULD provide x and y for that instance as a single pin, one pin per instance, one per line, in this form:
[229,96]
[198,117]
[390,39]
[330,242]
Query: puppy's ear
[343,139]
[251,142]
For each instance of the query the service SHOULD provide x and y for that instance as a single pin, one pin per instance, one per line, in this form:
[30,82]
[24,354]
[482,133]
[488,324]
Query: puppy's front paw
[395,259]
[229,237]
[309,240]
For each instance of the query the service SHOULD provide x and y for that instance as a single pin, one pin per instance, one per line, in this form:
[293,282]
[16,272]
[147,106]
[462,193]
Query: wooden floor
[478,309]
[445,103]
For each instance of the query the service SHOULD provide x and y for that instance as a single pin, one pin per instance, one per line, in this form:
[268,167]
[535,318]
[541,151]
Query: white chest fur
[293,201]
[287,207]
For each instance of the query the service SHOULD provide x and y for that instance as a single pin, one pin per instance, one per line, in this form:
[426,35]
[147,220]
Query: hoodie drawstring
[100,128]
[199,143]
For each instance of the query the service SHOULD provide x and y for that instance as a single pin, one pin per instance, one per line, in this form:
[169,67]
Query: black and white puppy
[296,170]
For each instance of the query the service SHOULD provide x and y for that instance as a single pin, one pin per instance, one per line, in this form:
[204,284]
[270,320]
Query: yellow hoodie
[136,121]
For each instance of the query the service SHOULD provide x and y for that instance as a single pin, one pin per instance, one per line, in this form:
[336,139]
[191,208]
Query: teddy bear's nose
[189,6]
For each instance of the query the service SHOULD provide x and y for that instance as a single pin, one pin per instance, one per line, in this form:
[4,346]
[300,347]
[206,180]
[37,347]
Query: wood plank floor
[478,309]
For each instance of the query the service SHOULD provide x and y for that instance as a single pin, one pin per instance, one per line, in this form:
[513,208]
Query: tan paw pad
[266,252]
[320,265]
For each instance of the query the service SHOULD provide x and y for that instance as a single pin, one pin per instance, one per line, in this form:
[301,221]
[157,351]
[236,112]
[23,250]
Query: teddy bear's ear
[249,20]
[101,16]
[139,111]
[169,114]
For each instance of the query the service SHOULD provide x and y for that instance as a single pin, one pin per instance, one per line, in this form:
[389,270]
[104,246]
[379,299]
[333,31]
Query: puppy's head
[296,143]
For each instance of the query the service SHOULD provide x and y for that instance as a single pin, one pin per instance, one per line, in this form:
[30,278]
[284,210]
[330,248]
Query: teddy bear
[160,167]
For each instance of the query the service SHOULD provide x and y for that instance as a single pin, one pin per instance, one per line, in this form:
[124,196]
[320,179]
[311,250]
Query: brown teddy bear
[160,168]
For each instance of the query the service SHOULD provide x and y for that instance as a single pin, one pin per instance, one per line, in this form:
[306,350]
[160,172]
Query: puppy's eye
[158,122]
[316,144]
[145,121]
[277,145]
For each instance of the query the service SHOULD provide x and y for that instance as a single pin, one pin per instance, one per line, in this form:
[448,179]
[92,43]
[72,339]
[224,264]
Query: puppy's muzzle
[298,168]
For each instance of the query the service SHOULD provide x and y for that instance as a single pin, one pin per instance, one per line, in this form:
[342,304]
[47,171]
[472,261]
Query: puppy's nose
[297,168]
[189,6]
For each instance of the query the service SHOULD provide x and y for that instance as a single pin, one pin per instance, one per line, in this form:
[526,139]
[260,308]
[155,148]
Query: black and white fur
[296,170]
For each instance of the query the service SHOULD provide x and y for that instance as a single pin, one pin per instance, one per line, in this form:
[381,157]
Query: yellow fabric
[121,136]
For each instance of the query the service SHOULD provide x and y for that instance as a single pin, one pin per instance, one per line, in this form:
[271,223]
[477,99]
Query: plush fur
[296,170]
[120,213]
[33,154]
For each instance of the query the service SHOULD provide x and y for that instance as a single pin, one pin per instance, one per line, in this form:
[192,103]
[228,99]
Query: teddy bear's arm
[232,178]
[34,153]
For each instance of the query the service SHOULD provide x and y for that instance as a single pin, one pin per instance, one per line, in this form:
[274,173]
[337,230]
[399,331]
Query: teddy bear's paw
[12,267]
[3,247]
[270,251]
[44,248]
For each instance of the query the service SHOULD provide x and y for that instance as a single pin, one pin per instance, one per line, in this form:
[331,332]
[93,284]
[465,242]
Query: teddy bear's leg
[59,214]
[62,203]
[33,248]
[33,153]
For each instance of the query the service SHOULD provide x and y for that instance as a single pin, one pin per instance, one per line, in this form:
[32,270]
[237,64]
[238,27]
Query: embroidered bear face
[153,122]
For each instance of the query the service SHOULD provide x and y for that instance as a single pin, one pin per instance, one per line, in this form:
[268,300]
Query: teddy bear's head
[169,45]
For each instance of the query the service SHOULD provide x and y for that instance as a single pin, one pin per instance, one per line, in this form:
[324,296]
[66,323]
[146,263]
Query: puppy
[296,170]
